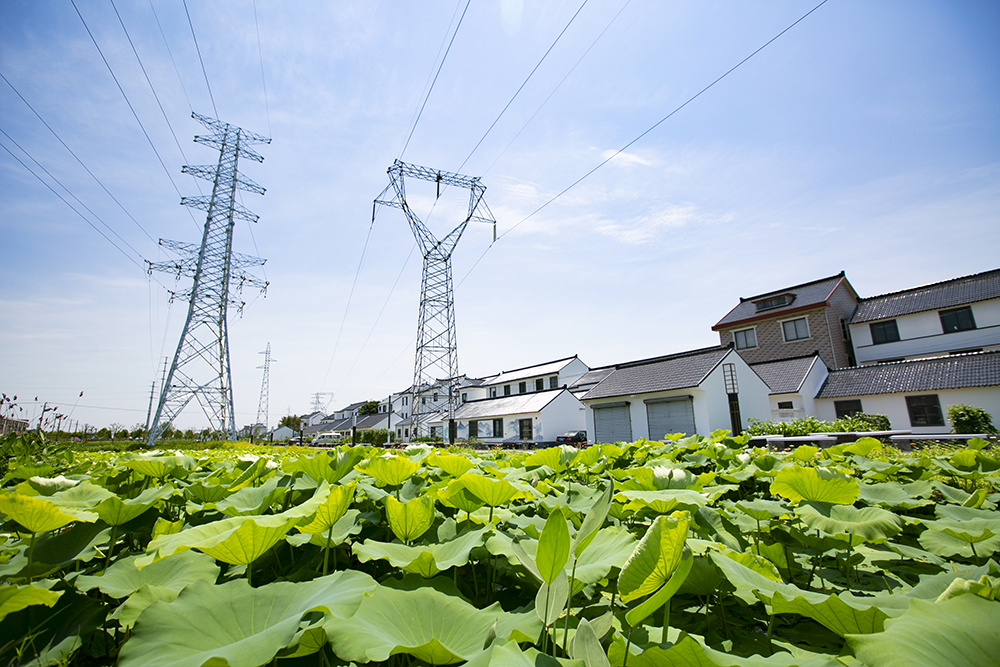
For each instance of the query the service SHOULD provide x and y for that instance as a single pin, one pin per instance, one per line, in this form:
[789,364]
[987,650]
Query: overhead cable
[647,131]
[85,167]
[128,102]
[427,97]
[518,91]
[200,59]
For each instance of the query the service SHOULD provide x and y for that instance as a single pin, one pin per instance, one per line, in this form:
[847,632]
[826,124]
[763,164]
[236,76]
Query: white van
[325,439]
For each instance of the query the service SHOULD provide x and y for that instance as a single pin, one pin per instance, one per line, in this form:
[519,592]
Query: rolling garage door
[670,415]
[612,423]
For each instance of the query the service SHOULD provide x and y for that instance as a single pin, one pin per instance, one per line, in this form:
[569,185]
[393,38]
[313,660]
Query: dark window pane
[884,332]
[847,408]
[786,405]
[924,410]
[957,319]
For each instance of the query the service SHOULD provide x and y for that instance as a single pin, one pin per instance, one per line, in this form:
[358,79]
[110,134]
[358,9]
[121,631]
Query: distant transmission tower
[262,417]
[200,369]
[437,347]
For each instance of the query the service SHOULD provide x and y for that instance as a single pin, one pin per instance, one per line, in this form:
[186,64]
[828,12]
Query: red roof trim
[771,315]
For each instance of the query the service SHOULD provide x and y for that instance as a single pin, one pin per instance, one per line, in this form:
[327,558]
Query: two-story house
[794,322]
[950,317]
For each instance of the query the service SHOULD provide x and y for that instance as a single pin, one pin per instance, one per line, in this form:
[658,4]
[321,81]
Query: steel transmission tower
[262,405]
[437,347]
[200,369]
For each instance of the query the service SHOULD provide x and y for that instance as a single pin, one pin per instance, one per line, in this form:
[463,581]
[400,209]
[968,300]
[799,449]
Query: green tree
[292,422]
[369,408]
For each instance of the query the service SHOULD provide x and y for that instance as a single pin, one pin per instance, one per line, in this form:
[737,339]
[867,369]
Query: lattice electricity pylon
[437,347]
[262,404]
[200,369]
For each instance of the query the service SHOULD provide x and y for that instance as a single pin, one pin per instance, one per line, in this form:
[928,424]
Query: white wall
[894,406]
[921,335]
[564,413]
[572,372]
[754,396]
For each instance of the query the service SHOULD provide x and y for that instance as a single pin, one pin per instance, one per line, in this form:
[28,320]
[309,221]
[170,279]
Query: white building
[949,317]
[915,394]
[699,391]
[794,383]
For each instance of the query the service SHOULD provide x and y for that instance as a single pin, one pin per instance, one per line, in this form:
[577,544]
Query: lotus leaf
[966,538]
[174,573]
[161,466]
[236,625]
[433,627]
[661,502]
[15,598]
[453,464]
[40,515]
[331,510]
[493,492]
[609,548]
[551,600]
[250,500]
[509,654]
[870,523]
[593,521]
[237,540]
[655,557]
[390,470]
[684,649]
[425,560]
[58,550]
[553,548]
[347,525]
[457,496]
[257,470]
[114,511]
[890,494]
[411,519]
[958,631]
[842,614]
[798,483]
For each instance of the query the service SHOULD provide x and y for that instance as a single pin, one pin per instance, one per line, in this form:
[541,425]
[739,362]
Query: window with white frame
[554,382]
[493,392]
[797,329]
[539,384]
[745,338]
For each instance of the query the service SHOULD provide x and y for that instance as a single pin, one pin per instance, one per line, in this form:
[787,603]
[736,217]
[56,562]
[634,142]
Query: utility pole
[437,346]
[200,369]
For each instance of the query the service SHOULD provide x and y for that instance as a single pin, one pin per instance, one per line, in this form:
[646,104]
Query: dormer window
[775,302]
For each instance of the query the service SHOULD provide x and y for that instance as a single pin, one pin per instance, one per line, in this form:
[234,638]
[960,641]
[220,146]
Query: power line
[53,190]
[350,297]
[378,317]
[151,87]
[129,103]
[535,69]
[171,54]
[650,129]
[427,97]
[200,59]
[260,54]
[86,168]
[558,86]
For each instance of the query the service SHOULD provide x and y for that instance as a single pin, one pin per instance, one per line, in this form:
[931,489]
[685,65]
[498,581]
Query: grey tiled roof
[786,375]
[592,377]
[978,369]
[946,294]
[813,293]
[676,371]
[516,404]
[548,368]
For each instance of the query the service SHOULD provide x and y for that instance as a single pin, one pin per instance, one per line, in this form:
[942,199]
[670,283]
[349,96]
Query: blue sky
[864,139]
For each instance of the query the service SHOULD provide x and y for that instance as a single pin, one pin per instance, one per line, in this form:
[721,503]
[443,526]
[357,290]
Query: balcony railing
[787,415]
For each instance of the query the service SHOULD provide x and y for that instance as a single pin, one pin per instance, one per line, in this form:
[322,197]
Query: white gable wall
[754,396]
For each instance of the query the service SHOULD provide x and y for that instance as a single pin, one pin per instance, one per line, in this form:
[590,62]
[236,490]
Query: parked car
[572,438]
